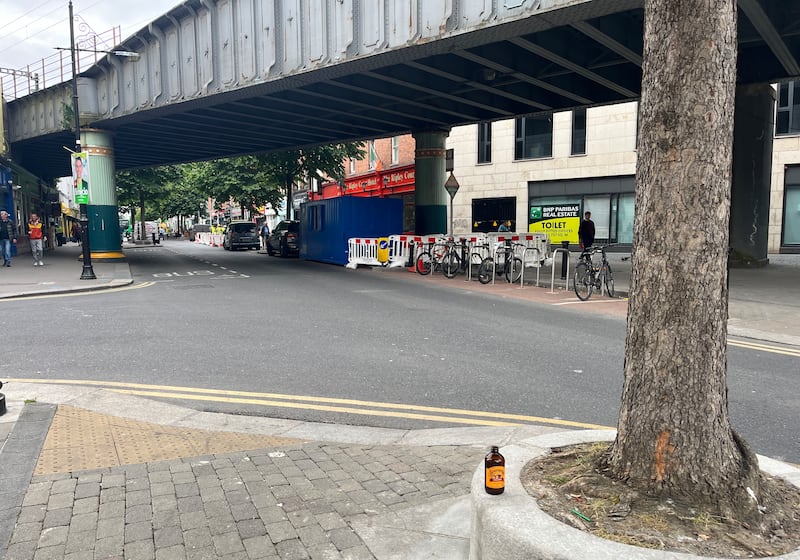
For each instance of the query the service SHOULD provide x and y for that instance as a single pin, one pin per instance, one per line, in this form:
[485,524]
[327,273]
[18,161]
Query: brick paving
[291,503]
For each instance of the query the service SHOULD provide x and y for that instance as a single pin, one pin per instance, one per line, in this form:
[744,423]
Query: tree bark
[143,234]
[674,434]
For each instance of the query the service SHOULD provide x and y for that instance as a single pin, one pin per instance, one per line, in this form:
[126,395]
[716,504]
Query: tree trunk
[289,207]
[674,434]
[143,231]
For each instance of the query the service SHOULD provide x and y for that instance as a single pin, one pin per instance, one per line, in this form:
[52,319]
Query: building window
[791,208]
[579,131]
[485,142]
[787,119]
[352,166]
[373,157]
[489,213]
[533,137]
[395,150]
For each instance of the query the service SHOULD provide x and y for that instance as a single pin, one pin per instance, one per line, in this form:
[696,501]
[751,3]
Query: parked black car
[284,239]
[240,235]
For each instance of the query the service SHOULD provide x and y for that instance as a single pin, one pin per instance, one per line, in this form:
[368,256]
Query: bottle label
[496,477]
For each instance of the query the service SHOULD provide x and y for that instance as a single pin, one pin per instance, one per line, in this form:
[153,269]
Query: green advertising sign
[559,221]
[80,177]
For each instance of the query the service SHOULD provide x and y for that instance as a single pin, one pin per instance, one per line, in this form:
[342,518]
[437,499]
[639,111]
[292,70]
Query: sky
[31,30]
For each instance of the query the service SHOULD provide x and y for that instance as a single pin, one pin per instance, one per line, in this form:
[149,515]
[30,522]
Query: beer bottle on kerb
[495,469]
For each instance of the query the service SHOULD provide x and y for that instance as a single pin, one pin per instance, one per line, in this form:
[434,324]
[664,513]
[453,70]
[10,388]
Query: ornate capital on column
[430,153]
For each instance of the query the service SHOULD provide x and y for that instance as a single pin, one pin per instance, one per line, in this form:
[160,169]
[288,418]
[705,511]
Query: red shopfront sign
[385,182]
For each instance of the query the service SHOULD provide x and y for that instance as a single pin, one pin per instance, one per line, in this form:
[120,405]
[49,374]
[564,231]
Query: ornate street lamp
[88,272]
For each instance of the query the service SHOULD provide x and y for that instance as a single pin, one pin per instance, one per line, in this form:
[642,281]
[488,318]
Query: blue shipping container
[326,225]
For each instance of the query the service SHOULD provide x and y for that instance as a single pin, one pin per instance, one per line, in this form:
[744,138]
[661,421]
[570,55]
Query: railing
[57,68]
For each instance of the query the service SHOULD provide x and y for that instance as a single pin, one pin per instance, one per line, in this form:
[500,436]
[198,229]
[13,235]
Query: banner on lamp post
[80,177]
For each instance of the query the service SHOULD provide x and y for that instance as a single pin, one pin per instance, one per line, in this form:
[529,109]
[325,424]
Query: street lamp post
[451,186]
[88,272]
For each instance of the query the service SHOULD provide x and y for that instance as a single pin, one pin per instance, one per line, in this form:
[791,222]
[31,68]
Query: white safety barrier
[399,250]
[533,249]
[203,237]
[362,250]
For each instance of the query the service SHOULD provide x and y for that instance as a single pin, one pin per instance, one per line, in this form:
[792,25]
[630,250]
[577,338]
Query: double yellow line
[324,404]
[784,350]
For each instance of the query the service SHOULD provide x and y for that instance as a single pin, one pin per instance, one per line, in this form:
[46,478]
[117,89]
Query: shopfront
[790,235]
[555,207]
[396,182]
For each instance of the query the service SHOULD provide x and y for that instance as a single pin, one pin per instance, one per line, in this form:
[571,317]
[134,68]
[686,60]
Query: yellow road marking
[795,352]
[307,406]
[84,293]
[295,401]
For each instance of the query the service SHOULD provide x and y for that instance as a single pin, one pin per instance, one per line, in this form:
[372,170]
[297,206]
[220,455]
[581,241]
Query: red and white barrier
[399,250]
[362,250]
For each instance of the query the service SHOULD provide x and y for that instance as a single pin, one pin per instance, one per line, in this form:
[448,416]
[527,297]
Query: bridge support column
[430,198]
[754,127]
[104,235]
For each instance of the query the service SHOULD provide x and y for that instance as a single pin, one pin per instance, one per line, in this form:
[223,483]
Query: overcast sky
[31,29]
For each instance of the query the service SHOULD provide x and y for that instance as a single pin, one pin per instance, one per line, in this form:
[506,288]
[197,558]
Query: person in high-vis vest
[36,237]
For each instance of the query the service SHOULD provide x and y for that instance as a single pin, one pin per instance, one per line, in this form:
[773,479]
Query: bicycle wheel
[424,263]
[451,264]
[583,281]
[608,280]
[514,270]
[485,271]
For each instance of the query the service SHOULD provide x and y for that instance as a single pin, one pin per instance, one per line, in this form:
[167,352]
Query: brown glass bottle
[495,472]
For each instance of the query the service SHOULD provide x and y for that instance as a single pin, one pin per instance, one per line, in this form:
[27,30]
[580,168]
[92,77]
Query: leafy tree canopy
[251,181]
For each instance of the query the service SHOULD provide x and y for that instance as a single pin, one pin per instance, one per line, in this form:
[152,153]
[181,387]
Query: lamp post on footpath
[88,272]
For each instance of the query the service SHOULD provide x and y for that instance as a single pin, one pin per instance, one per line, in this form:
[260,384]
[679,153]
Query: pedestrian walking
[76,232]
[586,231]
[264,235]
[8,236]
[37,238]
[59,229]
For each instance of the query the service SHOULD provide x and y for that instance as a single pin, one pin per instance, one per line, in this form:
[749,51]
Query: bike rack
[553,270]
[500,244]
[537,256]
[472,243]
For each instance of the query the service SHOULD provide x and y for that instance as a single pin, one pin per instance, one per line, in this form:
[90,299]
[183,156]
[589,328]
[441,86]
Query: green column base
[430,220]
[104,235]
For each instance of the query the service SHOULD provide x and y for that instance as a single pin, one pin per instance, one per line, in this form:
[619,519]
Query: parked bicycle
[508,264]
[461,258]
[431,258]
[590,276]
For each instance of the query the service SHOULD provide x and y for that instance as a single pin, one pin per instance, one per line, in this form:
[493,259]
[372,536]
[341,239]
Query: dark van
[241,235]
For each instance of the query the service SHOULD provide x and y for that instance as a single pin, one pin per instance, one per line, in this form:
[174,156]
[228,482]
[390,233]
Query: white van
[150,228]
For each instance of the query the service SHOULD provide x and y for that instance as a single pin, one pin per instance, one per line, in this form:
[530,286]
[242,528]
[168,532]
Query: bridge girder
[217,78]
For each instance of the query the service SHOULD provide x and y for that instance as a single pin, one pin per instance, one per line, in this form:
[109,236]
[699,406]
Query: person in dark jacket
[586,231]
[8,236]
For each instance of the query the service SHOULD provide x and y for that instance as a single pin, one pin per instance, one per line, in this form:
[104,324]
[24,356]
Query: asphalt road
[303,332]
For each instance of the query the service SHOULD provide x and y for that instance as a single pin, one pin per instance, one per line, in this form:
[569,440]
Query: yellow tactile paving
[80,439]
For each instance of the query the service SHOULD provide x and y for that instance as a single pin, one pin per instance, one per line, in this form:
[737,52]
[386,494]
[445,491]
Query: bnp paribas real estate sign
[559,221]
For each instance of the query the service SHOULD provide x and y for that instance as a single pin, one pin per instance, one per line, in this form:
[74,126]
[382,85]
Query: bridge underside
[584,55]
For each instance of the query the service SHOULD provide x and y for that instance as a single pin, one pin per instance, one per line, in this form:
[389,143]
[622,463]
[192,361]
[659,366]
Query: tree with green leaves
[254,180]
[138,185]
[320,164]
